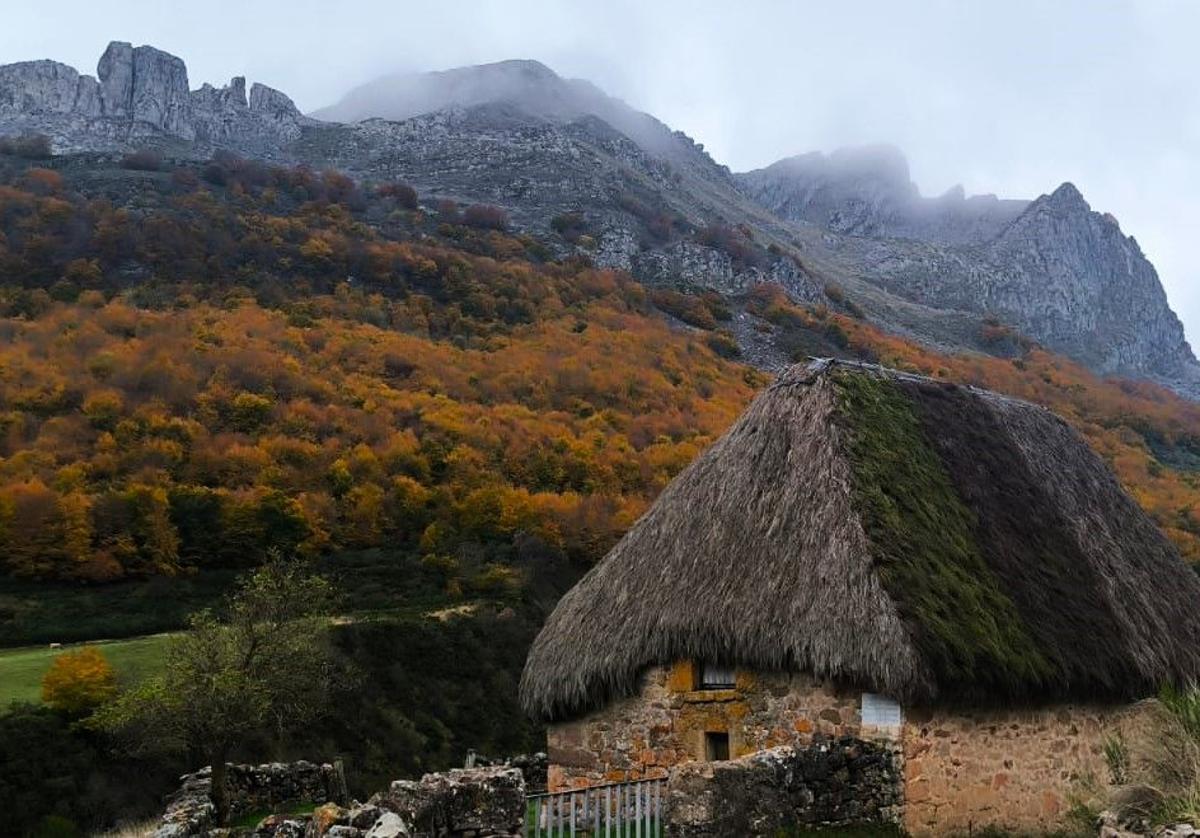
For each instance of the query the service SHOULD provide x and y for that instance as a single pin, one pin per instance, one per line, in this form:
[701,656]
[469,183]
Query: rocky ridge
[648,198]
[140,96]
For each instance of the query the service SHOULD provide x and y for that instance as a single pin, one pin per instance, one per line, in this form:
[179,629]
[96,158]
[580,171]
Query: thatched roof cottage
[873,553]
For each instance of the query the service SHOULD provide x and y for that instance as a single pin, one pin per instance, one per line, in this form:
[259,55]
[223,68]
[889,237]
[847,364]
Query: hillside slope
[199,364]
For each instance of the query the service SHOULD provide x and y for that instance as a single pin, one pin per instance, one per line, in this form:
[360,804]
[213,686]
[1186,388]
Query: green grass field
[21,670]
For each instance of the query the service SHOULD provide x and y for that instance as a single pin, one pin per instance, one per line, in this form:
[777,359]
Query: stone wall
[665,723]
[251,788]
[1017,769]
[460,802]
[830,782]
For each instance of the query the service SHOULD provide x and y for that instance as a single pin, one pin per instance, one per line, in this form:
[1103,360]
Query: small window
[714,677]
[716,746]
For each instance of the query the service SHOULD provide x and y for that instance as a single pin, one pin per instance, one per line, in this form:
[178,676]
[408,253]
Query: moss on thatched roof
[915,538]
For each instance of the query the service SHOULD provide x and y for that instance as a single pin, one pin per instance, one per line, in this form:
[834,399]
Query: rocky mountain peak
[525,83]
[1066,198]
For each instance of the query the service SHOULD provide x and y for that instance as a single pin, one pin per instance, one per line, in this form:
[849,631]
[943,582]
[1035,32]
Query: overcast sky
[1011,97]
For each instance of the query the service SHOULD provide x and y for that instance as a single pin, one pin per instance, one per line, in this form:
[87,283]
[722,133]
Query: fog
[1009,97]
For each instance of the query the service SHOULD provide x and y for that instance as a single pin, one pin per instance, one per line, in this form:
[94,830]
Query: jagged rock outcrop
[141,96]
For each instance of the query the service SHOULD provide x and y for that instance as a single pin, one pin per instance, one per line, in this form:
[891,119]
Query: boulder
[389,825]
[363,816]
[325,818]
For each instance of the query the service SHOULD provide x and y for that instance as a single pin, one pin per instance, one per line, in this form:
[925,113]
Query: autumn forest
[202,363]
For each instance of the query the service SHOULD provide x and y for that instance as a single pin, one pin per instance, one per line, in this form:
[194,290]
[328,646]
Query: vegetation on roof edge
[923,539]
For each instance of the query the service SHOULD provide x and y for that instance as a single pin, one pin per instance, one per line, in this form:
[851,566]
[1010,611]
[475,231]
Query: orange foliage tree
[79,682]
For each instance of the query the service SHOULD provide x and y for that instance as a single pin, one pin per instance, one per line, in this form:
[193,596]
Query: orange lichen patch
[683,677]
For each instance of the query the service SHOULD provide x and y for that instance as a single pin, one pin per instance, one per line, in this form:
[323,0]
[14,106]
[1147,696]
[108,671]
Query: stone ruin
[479,802]
[251,788]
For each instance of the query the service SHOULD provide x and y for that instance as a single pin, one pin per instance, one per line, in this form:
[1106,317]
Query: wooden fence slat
[608,815]
[637,811]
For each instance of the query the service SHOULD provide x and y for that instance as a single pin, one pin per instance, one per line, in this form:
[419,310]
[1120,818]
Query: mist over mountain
[867,191]
[649,200]
[529,86]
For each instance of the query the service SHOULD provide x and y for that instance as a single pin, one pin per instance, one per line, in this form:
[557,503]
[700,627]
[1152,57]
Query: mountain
[590,176]
[1052,267]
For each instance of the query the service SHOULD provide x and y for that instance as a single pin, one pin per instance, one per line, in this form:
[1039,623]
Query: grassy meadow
[21,669]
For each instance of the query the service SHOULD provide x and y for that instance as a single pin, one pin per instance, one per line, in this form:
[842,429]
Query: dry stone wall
[460,802]
[830,782]
[251,788]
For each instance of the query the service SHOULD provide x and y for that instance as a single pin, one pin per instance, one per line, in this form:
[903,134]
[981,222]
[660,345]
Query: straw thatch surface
[910,537]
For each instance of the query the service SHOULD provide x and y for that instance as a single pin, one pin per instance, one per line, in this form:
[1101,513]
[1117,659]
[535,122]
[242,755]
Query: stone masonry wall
[829,782]
[1015,769]
[664,723]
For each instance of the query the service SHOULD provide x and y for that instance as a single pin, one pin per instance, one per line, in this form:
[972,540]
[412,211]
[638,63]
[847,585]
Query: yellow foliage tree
[79,682]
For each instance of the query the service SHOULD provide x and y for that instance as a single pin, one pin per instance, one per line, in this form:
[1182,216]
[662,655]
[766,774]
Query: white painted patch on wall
[879,711]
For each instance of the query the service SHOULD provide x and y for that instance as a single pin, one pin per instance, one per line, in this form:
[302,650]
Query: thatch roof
[923,540]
